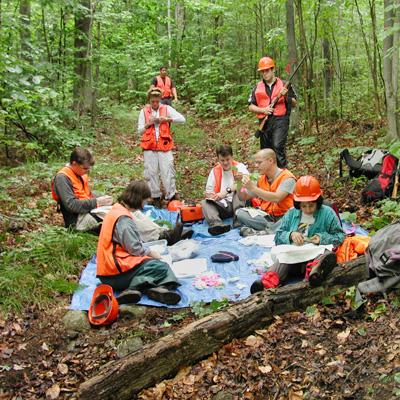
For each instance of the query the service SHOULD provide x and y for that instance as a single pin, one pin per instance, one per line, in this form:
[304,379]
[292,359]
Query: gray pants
[259,222]
[86,222]
[156,164]
[286,271]
[215,212]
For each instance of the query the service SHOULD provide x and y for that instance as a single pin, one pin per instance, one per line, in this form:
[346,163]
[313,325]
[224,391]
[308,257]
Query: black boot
[174,235]
[163,295]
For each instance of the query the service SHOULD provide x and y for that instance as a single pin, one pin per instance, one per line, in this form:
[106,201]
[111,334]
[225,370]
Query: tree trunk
[124,378]
[83,72]
[391,66]
[169,30]
[328,68]
[371,63]
[292,57]
[25,29]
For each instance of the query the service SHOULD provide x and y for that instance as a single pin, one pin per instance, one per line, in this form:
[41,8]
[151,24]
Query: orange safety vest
[351,248]
[218,176]
[113,259]
[166,87]
[80,185]
[263,100]
[148,140]
[270,207]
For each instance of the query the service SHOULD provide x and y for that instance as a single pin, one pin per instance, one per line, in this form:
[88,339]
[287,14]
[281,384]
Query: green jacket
[326,226]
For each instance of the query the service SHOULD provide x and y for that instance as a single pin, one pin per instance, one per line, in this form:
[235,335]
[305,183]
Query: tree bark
[25,28]
[292,56]
[83,74]
[124,378]
[391,66]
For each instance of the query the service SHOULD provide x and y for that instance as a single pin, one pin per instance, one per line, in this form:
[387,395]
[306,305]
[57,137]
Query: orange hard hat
[103,308]
[266,63]
[307,189]
[175,205]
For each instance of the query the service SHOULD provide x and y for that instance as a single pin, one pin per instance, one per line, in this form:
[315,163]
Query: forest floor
[319,353]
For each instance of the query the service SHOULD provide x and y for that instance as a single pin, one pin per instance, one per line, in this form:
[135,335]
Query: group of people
[274,203]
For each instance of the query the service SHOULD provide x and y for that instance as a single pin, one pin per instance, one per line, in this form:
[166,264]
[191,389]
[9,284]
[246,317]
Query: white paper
[292,254]
[259,240]
[189,268]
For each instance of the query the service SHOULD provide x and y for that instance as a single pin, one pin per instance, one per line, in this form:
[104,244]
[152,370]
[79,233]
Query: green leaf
[311,310]
[362,331]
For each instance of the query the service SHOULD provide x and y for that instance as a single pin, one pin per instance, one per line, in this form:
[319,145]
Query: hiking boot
[187,234]
[129,296]
[246,231]
[322,267]
[174,235]
[256,287]
[155,202]
[215,230]
[236,223]
[163,295]
[175,197]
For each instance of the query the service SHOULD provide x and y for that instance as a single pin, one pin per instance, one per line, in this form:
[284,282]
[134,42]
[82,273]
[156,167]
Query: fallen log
[124,378]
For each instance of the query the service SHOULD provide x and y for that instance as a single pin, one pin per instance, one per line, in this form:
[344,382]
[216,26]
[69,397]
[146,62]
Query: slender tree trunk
[169,29]
[326,48]
[83,75]
[340,74]
[391,66]
[292,57]
[371,63]
[46,41]
[25,29]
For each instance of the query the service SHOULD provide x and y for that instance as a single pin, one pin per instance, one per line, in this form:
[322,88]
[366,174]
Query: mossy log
[123,379]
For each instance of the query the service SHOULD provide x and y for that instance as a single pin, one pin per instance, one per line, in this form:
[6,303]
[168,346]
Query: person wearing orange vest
[165,84]
[221,198]
[71,190]
[275,130]
[310,221]
[123,262]
[275,191]
[157,144]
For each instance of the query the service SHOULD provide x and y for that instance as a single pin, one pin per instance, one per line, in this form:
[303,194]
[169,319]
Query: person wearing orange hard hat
[275,130]
[310,221]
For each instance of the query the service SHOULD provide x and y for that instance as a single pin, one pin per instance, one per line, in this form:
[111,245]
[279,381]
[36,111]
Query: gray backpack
[383,260]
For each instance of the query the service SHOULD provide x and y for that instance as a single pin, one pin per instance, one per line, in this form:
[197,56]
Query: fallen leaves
[53,392]
[342,336]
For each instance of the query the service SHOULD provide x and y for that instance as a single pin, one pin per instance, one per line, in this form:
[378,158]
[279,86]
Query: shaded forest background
[66,62]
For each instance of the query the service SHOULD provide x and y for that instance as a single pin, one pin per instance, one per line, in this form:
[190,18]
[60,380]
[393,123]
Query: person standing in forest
[165,84]
[157,144]
[275,130]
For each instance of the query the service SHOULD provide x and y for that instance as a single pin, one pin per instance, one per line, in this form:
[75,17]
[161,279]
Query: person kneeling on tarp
[309,221]
[123,262]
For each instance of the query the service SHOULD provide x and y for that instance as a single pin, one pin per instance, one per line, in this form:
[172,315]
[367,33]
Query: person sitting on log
[310,221]
[274,190]
[221,196]
[122,260]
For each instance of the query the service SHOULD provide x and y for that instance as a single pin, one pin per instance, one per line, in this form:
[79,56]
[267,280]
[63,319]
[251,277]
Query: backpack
[368,165]
[383,261]
[382,186]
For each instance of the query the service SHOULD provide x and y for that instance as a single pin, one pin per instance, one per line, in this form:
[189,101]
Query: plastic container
[158,245]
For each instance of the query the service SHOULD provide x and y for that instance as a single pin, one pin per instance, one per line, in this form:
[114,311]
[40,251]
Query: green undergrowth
[42,265]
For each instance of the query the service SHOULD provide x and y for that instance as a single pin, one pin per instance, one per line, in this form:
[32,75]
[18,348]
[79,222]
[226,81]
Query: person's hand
[315,239]
[297,238]
[238,176]
[155,254]
[153,120]
[218,196]
[269,110]
[283,91]
[247,182]
[104,201]
[164,119]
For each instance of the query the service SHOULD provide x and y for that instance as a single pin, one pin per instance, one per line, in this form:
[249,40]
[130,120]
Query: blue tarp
[208,246]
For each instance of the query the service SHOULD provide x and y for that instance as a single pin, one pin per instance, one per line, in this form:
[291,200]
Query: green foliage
[306,141]
[311,310]
[43,266]
[348,216]
[201,309]
[380,310]
[385,212]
